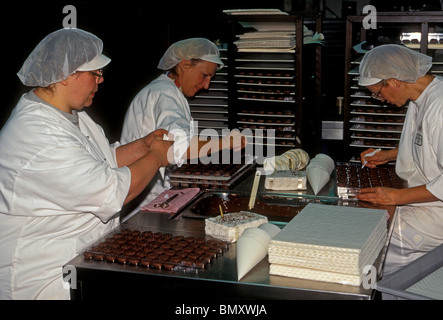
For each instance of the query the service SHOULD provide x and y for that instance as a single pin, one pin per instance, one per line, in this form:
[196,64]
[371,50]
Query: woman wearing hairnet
[189,66]
[62,183]
[399,75]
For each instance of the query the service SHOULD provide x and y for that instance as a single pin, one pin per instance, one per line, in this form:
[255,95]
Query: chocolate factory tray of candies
[146,250]
[278,208]
[207,176]
[351,177]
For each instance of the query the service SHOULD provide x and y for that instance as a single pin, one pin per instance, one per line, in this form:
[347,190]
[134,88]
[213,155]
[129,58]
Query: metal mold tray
[351,177]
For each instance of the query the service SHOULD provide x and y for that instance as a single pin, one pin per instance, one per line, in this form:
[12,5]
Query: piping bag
[252,247]
[319,171]
[369,155]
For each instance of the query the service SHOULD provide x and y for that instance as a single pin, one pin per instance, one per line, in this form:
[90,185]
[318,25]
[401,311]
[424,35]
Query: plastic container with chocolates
[145,249]
[351,177]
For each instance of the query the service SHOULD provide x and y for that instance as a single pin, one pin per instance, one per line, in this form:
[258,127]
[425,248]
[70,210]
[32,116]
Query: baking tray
[396,127]
[208,167]
[209,109]
[267,113]
[286,100]
[270,57]
[210,181]
[268,123]
[213,94]
[208,102]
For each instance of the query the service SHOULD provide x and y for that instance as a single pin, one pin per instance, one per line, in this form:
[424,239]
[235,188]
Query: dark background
[135,36]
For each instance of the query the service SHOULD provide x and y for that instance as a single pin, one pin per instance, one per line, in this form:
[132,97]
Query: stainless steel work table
[99,280]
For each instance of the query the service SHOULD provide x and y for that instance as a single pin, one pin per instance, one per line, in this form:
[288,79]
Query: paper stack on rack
[284,40]
[274,37]
[329,243]
[319,171]
[270,35]
[258,11]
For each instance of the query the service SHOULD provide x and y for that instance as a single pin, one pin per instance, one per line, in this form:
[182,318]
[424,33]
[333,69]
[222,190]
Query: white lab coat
[60,191]
[419,227]
[160,105]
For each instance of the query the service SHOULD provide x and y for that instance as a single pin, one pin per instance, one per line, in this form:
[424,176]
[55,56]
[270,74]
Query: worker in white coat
[189,66]
[62,183]
[399,75]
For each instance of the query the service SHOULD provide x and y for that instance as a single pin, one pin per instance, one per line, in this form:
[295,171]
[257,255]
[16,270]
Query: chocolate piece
[152,255]
[163,257]
[170,252]
[145,262]
[168,266]
[88,255]
[111,258]
[175,259]
[201,264]
[122,259]
[193,256]
[189,239]
[187,262]
[98,256]
[134,261]
[156,265]
[208,258]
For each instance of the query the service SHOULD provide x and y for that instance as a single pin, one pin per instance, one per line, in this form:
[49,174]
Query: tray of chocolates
[206,176]
[156,250]
[351,177]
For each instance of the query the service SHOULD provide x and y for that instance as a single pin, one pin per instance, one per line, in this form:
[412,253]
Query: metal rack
[266,91]
[367,122]
[210,107]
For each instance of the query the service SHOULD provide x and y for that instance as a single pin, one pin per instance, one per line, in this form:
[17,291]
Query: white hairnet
[393,61]
[193,48]
[60,54]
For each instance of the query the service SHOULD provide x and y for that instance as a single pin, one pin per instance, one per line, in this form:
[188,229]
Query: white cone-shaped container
[270,229]
[319,171]
[252,247]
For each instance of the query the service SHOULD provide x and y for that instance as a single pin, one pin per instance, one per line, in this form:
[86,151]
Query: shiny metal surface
[257,284]
[220,278]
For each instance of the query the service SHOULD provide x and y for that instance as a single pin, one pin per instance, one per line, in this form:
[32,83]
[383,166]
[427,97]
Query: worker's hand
[160,144]
[234,140]
[380,195]
[163,150]
[158,134]
[378,158]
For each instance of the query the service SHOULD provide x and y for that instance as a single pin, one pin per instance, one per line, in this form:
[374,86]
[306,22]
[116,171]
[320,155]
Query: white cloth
[160,105]
[419,227]
[60,191]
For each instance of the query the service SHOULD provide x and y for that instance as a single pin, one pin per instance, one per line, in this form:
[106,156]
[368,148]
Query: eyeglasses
[378,95]
[98,75]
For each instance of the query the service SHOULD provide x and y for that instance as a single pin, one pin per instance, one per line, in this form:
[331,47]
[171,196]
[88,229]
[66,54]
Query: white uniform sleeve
[171,115]
[160,105]
[423,138]
[68,180]
[433,156]
[61,170]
